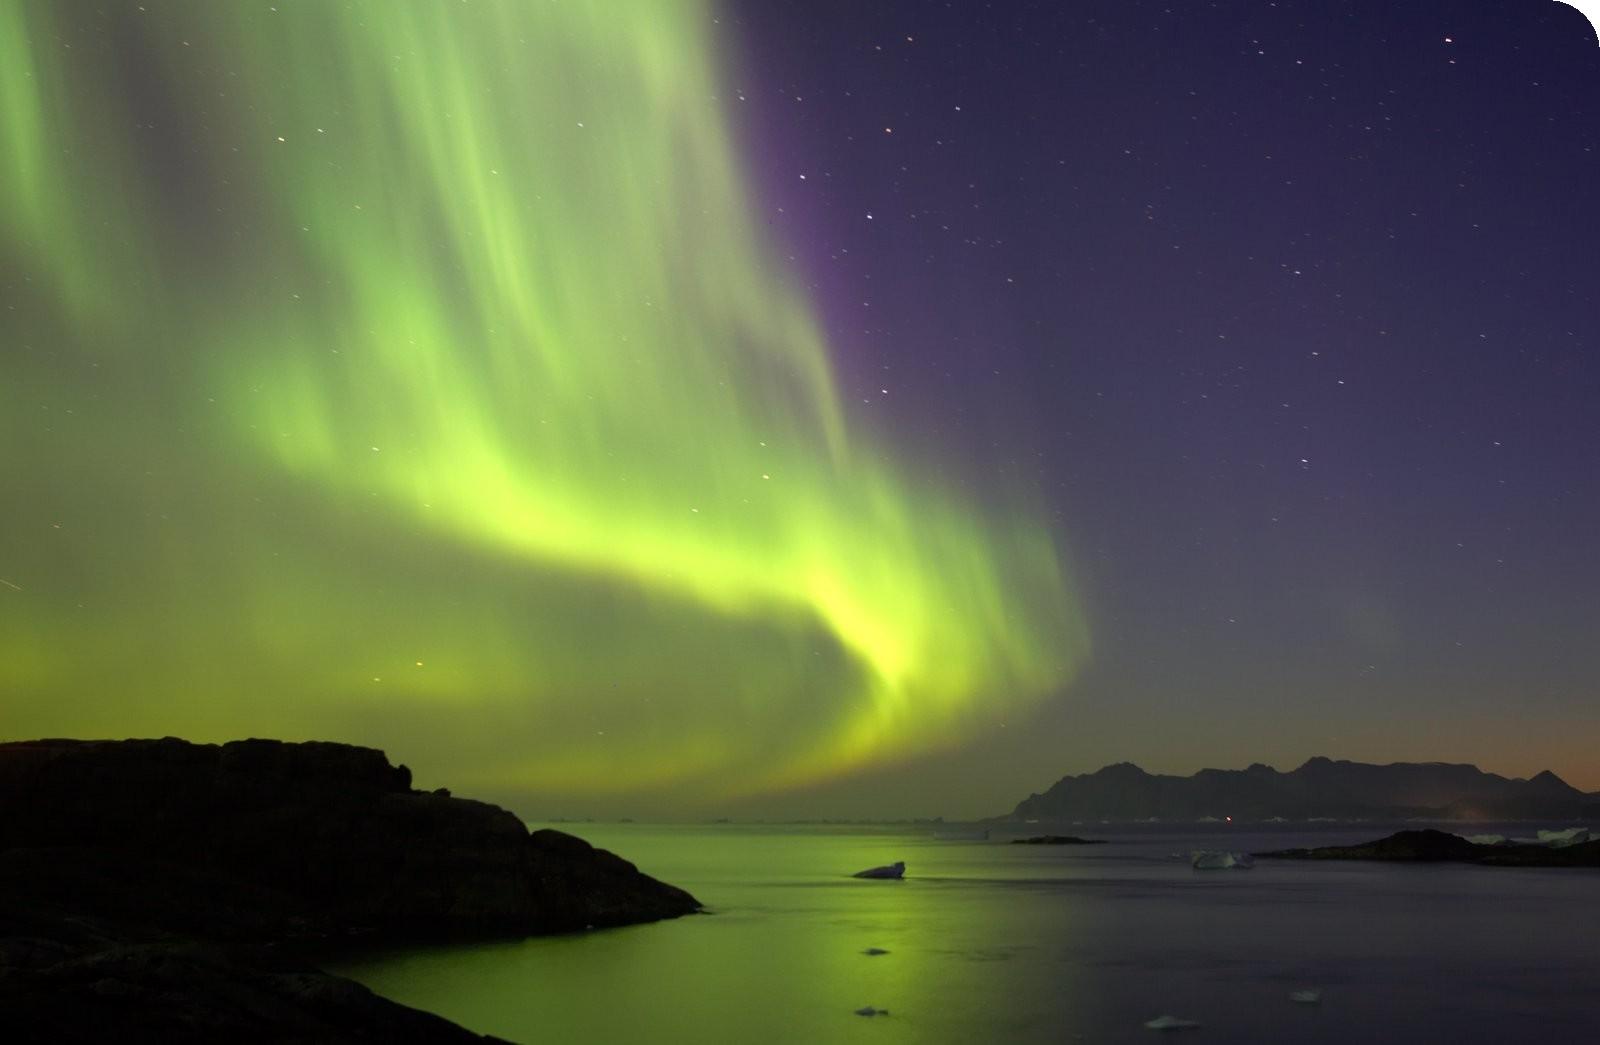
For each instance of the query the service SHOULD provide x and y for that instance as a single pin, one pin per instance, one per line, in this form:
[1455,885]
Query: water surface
[990,941]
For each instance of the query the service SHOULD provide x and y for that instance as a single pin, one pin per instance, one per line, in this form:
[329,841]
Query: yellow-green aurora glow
[416,374]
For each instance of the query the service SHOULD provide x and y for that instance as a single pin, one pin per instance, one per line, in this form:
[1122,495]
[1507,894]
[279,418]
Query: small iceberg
[867,1010]
[1306,997]
[1220,860]
[894,870]
[1170,1023]
[1486,839]
[1562,839]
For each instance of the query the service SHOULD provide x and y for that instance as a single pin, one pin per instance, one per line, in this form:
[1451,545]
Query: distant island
[158,890]
[1429,846]
[1322,788]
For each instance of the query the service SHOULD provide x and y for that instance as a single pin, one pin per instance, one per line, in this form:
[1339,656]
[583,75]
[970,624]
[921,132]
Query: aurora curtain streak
[415,374]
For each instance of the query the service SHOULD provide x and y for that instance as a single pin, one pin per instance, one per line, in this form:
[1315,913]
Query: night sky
[808,408]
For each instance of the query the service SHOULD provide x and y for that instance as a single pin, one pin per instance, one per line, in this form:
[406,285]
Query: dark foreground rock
[1430,846]
[184,991]
[158,883]
[1058,840]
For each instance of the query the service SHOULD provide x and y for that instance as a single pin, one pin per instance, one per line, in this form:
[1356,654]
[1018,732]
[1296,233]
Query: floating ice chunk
[1486,839]
[1562,839]
[894,870]
[1220,860]
[867,1010]
[873,952]
[1306,997]
[1170,1023]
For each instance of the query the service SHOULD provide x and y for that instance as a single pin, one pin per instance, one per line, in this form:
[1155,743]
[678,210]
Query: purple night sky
[1286,310]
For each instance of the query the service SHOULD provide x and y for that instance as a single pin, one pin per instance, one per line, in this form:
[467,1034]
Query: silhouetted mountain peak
[1548,781]
[1122,769]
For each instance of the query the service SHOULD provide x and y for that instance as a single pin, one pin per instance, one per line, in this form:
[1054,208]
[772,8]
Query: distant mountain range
[1320,788]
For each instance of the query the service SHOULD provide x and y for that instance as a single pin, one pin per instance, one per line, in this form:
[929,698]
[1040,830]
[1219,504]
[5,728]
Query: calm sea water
[995,942]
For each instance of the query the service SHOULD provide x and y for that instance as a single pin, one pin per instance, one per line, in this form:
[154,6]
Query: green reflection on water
[778,958]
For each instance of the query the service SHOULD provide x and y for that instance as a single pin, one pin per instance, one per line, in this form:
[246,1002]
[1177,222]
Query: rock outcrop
[156,882]
[1440,846]
[309,839]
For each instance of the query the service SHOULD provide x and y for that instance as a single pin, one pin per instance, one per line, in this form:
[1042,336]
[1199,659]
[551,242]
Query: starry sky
[804,409]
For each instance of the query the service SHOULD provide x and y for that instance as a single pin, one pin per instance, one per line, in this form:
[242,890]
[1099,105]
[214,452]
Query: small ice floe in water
[1562,839]
[1220,860]
[867,1010]
[1170,1023]
[1306,997]
[1486,839]
[873,952]
[894,870]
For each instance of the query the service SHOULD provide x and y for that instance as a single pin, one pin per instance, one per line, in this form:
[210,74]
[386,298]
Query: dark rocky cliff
[154,883]
[298,839]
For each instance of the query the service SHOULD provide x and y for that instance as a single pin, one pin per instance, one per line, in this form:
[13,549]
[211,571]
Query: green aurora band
[415,374]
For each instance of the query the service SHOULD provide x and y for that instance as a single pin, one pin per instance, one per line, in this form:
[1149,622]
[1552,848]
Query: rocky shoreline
[162,889]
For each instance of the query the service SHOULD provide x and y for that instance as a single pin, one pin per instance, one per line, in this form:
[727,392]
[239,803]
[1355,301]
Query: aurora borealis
[419,375]
[721,407]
